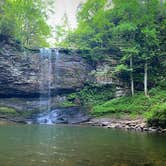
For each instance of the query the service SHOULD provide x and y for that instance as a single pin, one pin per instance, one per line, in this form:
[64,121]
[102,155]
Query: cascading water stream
[57,61]
[48,69]
[50,74]
[46,77]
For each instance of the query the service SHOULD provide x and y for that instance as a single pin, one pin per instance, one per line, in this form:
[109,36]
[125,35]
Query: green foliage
[7,111]
[29,113]
[67,104]
[91,95]
[24,21]
[153,108]
[157,115]
[126,29]
[89,10]
[121,68]
[137,104]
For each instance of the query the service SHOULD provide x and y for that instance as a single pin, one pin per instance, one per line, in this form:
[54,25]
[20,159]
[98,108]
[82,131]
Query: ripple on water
[54,147]
[44,161]
[79,146]
[41,154]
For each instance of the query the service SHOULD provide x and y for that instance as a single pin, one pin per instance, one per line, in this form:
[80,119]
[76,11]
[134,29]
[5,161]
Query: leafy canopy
[25,21]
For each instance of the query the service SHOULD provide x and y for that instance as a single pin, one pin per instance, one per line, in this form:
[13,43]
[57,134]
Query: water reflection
[79,146]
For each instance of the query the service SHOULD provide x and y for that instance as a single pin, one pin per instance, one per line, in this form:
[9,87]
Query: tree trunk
[131,76]
[146,78]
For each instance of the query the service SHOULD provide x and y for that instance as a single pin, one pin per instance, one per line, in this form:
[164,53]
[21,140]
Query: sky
[60,7]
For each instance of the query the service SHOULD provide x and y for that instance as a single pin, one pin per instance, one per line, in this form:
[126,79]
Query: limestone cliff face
[20,72]
[71,72]
[25,77]
[103,75]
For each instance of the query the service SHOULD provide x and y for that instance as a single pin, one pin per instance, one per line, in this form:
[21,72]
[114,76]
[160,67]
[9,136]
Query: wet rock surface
[31,104]
[4,121]
[72,115]
[68,115]
[20,72]
[126,124]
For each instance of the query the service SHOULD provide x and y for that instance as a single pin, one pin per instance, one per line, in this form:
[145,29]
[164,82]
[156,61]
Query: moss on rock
[7,111]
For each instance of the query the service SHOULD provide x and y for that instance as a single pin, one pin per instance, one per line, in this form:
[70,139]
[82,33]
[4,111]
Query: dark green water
[44,145]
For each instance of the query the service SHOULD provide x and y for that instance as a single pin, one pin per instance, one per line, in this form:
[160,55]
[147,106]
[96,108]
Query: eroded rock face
[103,75]
[71,72]
[20,72]
[31,104]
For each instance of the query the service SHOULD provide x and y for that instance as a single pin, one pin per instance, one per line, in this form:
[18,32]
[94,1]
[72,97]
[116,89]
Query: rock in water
[73,115]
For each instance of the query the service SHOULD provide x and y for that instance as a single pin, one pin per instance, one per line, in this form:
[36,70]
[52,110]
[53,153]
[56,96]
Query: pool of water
[49,145]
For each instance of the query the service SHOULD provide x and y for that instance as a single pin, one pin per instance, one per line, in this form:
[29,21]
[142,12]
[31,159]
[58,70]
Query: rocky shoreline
[126,124]
[4,121]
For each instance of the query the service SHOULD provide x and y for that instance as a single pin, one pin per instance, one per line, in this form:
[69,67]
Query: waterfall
[48,57]
[57,58]
[50,60]
[45,78]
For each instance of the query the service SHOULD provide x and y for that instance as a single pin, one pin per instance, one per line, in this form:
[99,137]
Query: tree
[132,32]
[125,17]
[90,21]
[129,54]
[148,39]
[25,22]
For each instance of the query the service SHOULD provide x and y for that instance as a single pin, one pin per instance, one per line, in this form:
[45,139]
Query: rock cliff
[20,72]
[23,71]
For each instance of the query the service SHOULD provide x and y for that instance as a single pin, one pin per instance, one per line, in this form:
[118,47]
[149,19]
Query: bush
[157,115]
[92,95]
[152,108]
[136,104]
[67,104]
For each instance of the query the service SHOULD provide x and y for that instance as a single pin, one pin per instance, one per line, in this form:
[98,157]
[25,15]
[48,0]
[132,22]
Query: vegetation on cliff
[101,102]
[7,111]
[152,108]
[132,32]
